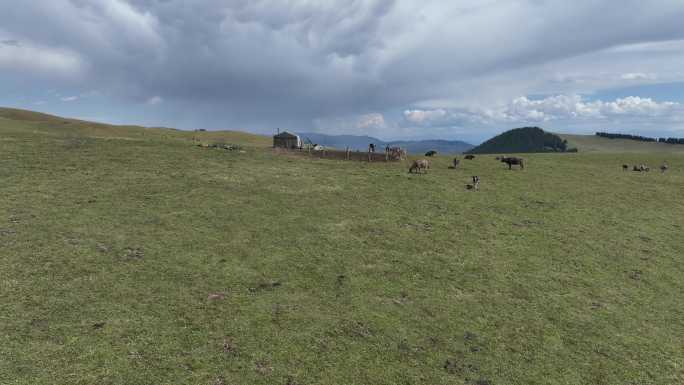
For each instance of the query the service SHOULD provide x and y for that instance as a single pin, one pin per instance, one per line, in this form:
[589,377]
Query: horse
[421,164]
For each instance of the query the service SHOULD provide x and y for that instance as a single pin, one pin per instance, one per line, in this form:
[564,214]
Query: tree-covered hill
[521,140]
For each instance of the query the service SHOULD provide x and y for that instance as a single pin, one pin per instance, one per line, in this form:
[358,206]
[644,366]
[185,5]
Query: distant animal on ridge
[625,167]
[510,161]
[475,185]
[431,153]
[469,157]
[421,164]
[664,167]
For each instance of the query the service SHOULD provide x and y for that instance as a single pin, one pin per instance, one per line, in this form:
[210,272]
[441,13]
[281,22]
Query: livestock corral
[132,256]
[389,155]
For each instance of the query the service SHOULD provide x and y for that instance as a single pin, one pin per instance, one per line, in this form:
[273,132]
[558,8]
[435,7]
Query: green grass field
[592,143]
[113,240]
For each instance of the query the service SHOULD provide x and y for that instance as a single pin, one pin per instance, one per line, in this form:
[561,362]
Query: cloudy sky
[461,69]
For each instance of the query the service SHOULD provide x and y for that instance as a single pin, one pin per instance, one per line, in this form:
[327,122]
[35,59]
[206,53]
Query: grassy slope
[14,120]
[592,143]
[566,273]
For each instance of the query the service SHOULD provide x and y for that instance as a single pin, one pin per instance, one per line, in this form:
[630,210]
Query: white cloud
[25,56]
[371,122]
[422,116]
[638,76]
[69,98]
[553,108]
[155,100]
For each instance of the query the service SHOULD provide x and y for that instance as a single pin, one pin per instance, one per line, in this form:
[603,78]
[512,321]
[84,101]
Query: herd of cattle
[644,168]
[423,165]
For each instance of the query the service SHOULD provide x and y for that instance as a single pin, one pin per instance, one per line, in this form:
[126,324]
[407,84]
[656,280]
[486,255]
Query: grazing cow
[475,185]
[470,157]
[625,167]
[664,167]
[431,153]
[421,164]
[642,168]
[510,161]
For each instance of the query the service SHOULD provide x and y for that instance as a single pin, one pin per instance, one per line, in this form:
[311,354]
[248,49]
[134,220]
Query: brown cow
[421,164]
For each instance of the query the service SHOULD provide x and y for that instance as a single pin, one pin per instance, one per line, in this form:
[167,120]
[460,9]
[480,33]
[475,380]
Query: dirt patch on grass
[265,286]
[418,226]
[7,232]
[263,367]
[102,248]
[133,253]
[216,296]
[352,328]
[229,347]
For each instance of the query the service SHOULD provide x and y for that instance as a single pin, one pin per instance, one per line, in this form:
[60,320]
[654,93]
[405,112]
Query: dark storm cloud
[265,63]
[13,43]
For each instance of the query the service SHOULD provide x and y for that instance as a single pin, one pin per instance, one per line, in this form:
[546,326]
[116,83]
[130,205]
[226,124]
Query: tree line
[640,138]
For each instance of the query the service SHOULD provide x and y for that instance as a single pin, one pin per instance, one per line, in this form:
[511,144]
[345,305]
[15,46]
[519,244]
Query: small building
[287,140]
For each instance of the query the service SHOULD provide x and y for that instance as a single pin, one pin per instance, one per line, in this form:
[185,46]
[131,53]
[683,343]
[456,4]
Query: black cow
[469,157]
[510,161]
[431,153]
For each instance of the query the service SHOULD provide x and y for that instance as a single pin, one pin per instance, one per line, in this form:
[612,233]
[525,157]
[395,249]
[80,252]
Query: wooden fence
[350,155]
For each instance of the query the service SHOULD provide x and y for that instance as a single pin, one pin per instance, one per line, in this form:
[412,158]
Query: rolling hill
[24,121]
[593,143]
[130,255]
[522,140]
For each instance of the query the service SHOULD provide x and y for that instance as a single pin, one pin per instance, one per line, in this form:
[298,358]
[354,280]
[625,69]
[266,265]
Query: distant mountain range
[360,143]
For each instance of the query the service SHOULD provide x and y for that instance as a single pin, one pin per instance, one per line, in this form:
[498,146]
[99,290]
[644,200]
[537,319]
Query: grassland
[112,240]
[592,143]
